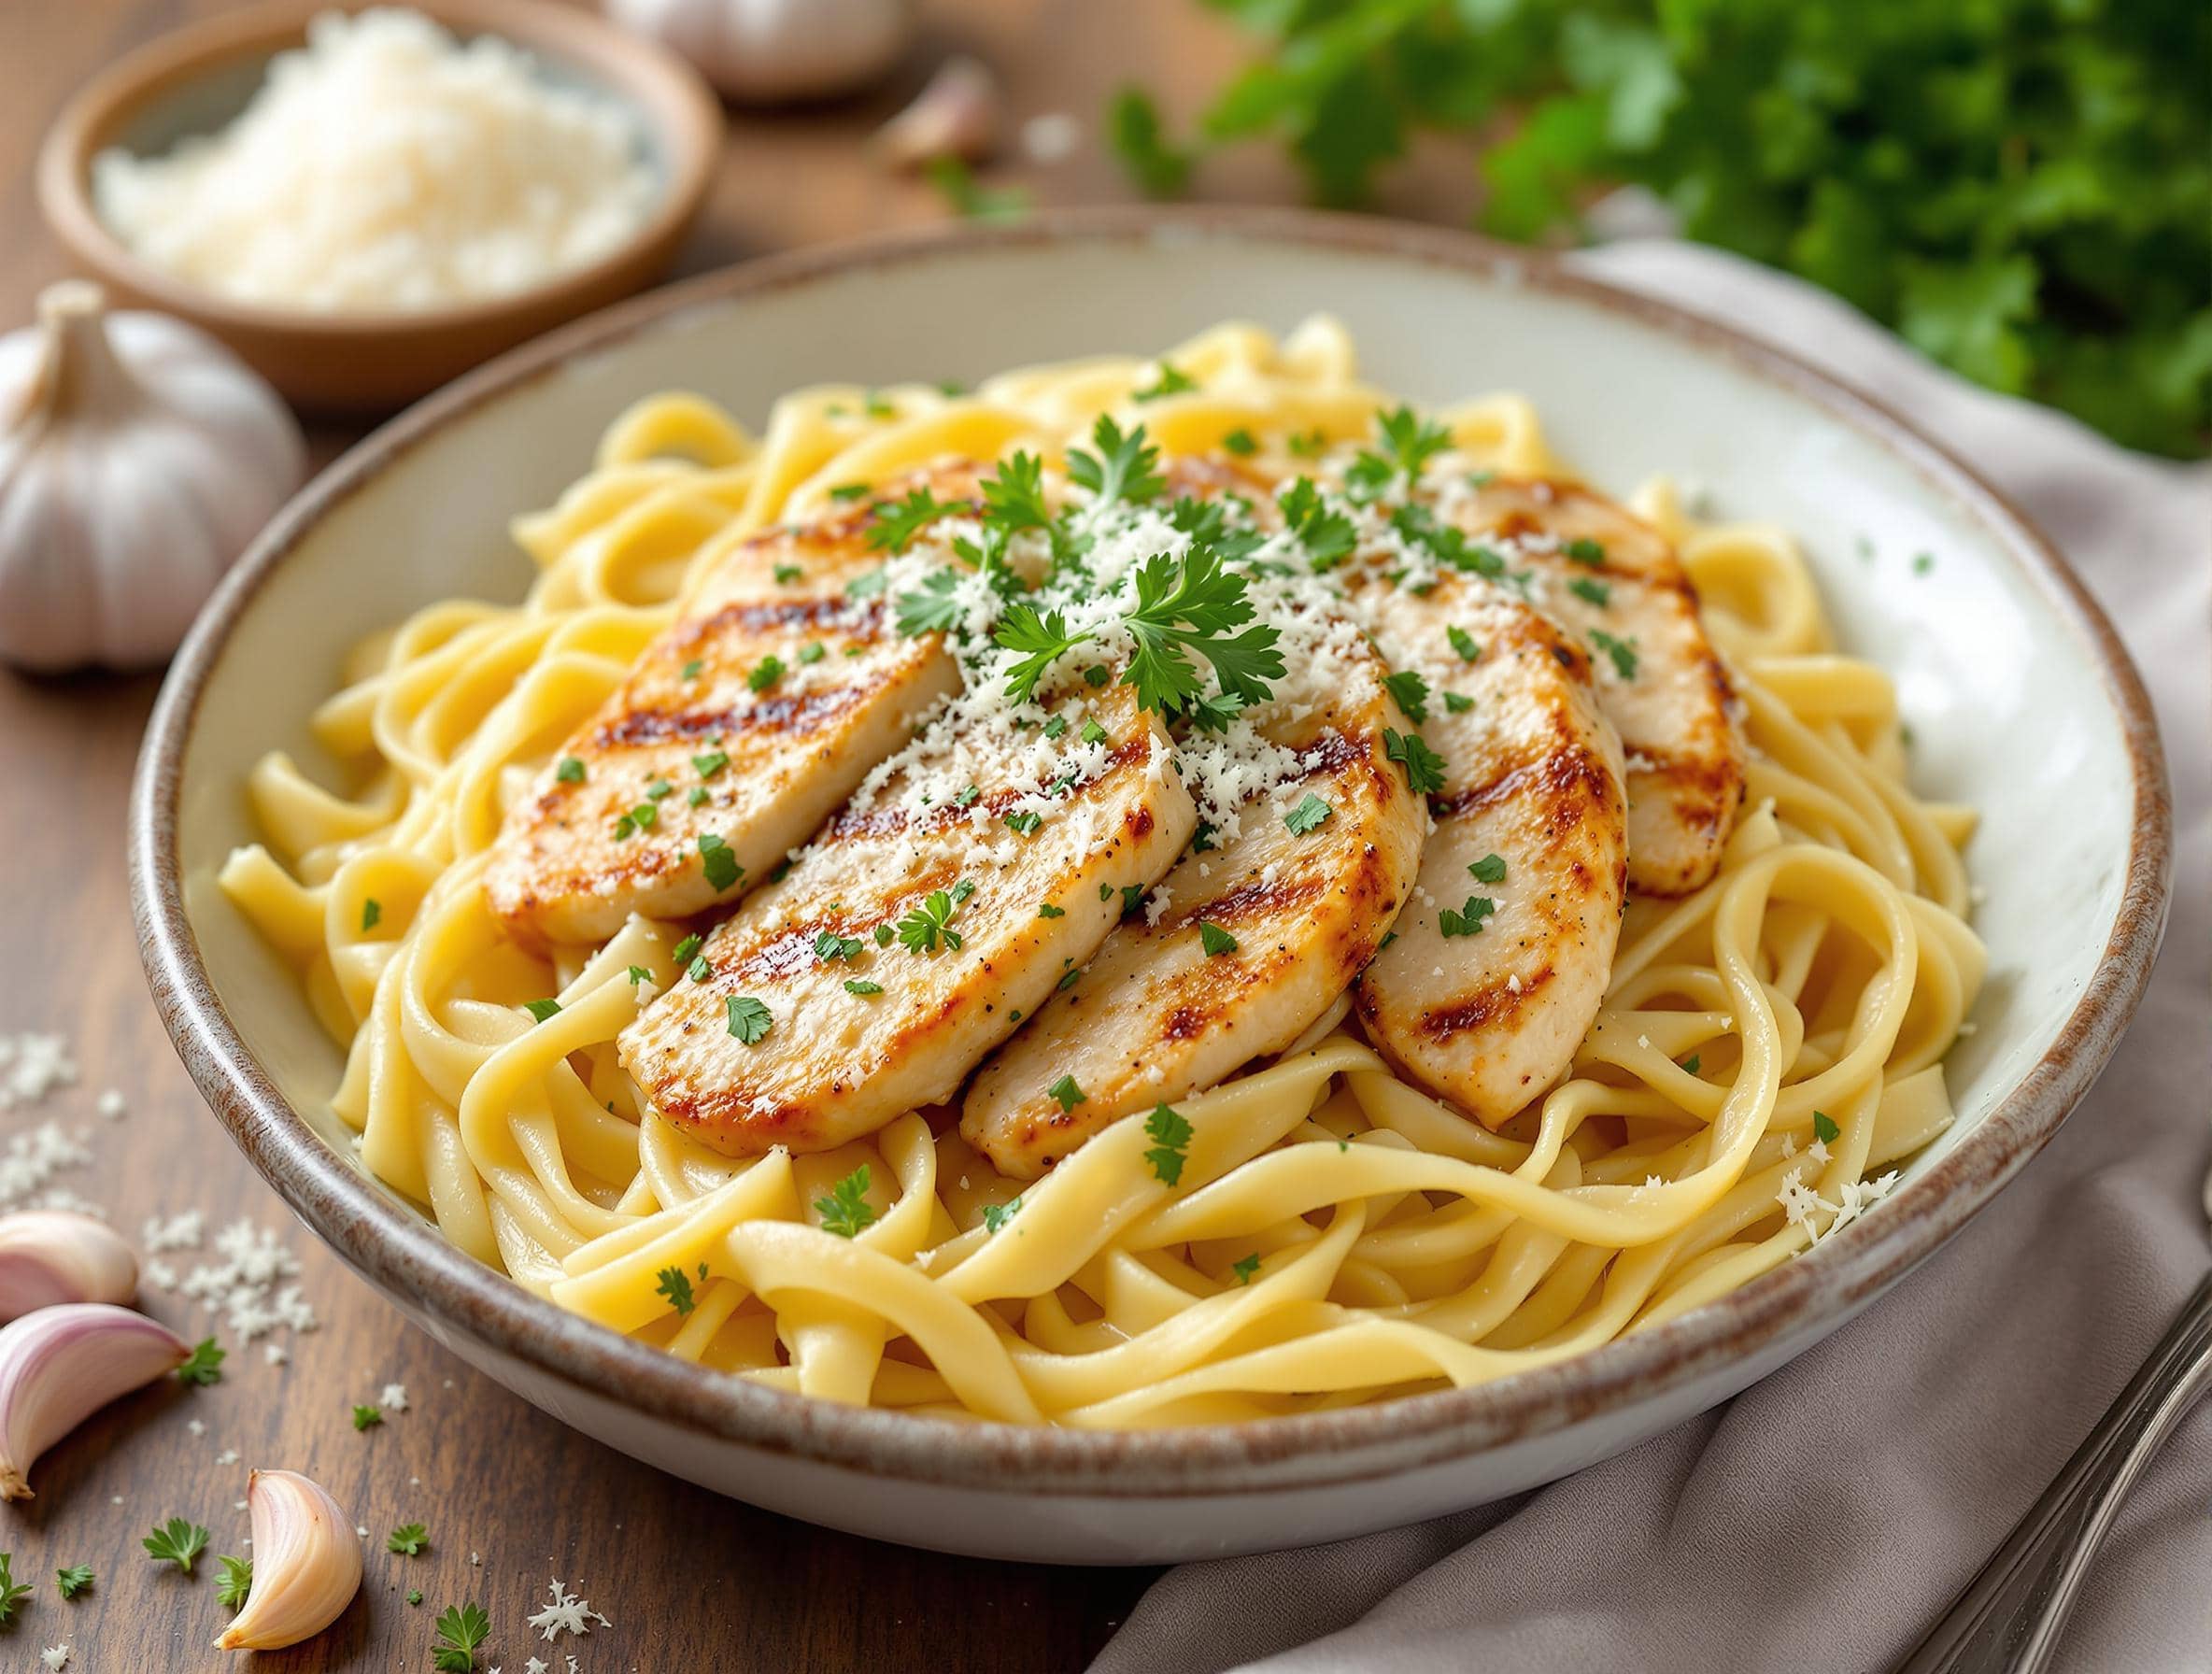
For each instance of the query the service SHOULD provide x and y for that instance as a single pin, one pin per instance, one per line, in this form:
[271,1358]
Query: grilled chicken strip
[908,941]
[741,728]
[1293,905]
[1614,584]
[1502,958]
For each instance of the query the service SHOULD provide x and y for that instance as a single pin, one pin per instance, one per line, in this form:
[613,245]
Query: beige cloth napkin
[1822,1519]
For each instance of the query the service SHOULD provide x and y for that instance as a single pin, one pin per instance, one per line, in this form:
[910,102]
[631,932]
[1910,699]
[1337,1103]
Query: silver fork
[2009,1617]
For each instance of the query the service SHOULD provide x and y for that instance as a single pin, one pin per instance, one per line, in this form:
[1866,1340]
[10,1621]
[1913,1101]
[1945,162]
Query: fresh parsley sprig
[1043,639]
[460,1629]
[1190,605]
[1124,468]
[847,1210]
[899,521]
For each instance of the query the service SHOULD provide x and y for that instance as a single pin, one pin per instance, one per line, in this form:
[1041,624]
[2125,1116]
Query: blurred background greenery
[2021,188]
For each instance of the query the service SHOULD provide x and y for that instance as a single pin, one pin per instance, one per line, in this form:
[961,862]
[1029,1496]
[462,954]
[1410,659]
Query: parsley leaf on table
[176,1542]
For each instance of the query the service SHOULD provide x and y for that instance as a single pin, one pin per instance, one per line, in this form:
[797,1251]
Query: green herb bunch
[2022,188]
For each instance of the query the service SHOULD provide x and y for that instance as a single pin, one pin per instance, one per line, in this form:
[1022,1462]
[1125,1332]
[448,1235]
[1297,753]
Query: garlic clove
[957,115]
[306,1563]
[60,1365]
[769,51]
[49,1255]
[139,456]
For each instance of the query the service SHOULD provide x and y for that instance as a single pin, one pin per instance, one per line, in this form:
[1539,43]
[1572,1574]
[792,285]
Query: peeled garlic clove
[307,1564]
[60,1365]
[49,1255]
[957,115]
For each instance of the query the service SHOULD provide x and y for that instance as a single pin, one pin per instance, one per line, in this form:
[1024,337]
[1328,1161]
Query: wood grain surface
[512,1498]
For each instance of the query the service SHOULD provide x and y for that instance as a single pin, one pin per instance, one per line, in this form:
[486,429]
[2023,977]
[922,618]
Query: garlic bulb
[306,1563]
[60,1365]
[137,458]
[768,51]
[957,115]
[49,1255]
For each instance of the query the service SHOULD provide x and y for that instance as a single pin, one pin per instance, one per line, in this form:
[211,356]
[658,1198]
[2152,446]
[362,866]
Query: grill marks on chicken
[744,725]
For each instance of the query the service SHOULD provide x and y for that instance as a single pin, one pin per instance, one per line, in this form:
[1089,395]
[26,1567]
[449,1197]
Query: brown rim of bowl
[400,1252]
[659,89]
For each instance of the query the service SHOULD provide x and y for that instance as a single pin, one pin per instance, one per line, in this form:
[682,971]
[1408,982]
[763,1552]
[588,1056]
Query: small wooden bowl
[197,79]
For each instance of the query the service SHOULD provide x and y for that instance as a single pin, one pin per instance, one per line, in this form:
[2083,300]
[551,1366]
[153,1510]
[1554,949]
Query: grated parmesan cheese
[387,167]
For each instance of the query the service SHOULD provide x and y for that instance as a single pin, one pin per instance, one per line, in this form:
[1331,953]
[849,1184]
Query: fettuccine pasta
[1770,1048]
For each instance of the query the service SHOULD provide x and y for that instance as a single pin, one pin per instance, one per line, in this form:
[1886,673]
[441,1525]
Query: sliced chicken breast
[1615,585]
[1237,951]
[910,939]
[739,732]
[1498,963]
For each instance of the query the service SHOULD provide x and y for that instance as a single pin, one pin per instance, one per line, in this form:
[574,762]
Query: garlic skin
[767,52]
[957,115]
[48,1256]
[307,1564]
[60,1365]
[137,458]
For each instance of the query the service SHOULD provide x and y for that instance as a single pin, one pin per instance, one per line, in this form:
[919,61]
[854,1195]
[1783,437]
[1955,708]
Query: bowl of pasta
[923,866]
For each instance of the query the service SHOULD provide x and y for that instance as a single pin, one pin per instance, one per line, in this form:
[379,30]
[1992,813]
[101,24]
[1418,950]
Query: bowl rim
[661,91]
[404,1256]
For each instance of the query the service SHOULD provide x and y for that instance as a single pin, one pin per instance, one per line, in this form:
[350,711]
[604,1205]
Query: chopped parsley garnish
[1408,444]
[846,491]
[749,1020]
[847,1210]
[1922,562]
[829,945]
[811,652]
[1824,1128]
[860,986]
[695,797]
[719,864]
[643,818]
[685,949]
[1068,980]
[1463,643]
[69,1582]
[675,1284]
[1457,702]
[1043,639]
[1046,910]
[884,934]
[1586,551]
[1307,816]
[1132,899]
[1690,1064]
[693,669]
[933,609]
[1411,692]
[460,1629]
[410,1539]
[1424,767]
[1490,869]
[1056,727]
[1188,606]
[1092,733]
[371,910]
[414,1594]
[1170,1134]
[540,1010]
[970,196]
[365,1418]
[713,762]
[1097,675]
[965,795]
[12,1591]
[1216,940]
[898,522]
[1169,382]
[1328,537]
[1240,442]
[865,586]
[1124,468]
[236,1584]
[786,574]
[1013,496]
[1622,652]
[1467,921]
[996,1216]
[203,1365]
[1246,1267]
[765,673]
[878,407]
[1596,592]
[570,772]
[927,923]
[176,1542]
[1066,1094]
[1024,822]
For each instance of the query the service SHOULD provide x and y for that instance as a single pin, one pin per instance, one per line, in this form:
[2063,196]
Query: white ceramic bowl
[2020,699]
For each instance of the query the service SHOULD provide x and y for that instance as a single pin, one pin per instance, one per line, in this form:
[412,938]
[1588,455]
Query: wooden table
[689,1580]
